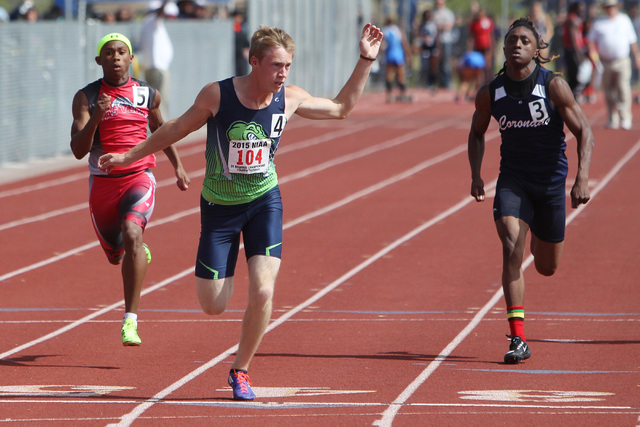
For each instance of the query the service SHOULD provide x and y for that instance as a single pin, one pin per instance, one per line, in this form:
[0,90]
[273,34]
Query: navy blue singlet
[533,141]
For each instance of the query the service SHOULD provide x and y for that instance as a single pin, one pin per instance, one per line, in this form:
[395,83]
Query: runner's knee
[213,295]
[131,235]
[545,268]
[261,297]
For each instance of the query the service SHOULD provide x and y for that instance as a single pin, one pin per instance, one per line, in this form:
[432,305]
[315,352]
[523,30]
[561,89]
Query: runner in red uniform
[111,115]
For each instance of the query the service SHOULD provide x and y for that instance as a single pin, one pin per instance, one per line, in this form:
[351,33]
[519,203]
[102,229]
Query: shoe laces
[129,328]
[128,325]
[243,380]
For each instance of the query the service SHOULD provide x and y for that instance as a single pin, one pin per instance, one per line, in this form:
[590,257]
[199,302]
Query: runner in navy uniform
[531,106]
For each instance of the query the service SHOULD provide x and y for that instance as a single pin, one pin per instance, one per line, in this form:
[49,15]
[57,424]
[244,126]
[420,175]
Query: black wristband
[366,58]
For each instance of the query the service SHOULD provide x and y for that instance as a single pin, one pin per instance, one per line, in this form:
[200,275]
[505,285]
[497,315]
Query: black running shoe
[518,351]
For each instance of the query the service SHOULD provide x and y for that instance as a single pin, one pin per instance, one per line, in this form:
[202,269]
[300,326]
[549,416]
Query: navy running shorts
[541,206]
[259,221]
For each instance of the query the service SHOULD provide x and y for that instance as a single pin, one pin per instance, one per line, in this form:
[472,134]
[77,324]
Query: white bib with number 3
[247,157]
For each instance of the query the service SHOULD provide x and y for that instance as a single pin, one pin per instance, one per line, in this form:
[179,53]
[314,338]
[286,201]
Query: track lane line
[129,418]
[453,152]
[186,149]
[283,180]
[200,172]
[81,206]
[141,408]
[91,245]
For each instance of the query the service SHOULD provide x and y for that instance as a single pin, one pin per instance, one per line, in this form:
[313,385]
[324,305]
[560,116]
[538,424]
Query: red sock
[515,315]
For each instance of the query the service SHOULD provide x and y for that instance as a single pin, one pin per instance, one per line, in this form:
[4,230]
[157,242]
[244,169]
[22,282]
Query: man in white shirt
[156,49]
[611,39]
[445,21]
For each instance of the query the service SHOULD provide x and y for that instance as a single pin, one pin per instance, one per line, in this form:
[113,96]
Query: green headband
[114,36]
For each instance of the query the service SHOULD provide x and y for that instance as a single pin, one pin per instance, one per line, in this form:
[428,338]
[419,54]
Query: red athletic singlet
[125,124]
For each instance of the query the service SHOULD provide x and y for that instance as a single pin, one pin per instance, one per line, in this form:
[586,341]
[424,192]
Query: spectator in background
[471,73]
[396,54]
[445,20]
[589,91]
[108,17]
[482,31]
[32,15]
[125,14]
[241,44]
[542,24]
[428,33]
[611,40]
[201,11]
[574,46]
[25,11]
[54,14]
[635,19]
[156,49]
[187,9]
[4,15]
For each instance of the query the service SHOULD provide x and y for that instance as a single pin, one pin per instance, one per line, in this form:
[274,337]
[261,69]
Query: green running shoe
[147,251]
[130,333]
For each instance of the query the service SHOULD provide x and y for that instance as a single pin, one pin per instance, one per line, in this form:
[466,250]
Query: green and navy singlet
[241,144]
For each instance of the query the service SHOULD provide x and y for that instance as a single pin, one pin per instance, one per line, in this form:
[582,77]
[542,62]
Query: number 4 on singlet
[278,121]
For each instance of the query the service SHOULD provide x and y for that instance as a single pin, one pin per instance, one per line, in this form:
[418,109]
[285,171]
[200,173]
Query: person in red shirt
[111,115]
[482,38]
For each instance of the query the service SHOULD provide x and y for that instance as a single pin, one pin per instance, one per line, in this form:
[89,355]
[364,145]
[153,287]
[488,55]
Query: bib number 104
[249,157]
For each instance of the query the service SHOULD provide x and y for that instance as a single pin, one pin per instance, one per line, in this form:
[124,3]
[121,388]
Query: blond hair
[269,37]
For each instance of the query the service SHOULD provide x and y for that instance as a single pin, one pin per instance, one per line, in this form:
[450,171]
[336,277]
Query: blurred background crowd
[452,45]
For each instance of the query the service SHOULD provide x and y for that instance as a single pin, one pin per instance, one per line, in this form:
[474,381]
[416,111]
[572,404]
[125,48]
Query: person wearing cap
[245,118]
[111,115]
[611,40]
[156,49]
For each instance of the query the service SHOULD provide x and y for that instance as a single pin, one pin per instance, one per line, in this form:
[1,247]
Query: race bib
[278,122]
[248,157]
[141,96]
[538,110]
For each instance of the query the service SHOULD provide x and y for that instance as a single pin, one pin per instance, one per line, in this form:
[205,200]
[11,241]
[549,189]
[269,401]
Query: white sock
[133,316]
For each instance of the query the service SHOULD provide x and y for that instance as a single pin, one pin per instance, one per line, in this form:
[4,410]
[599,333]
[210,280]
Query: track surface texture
[387,311]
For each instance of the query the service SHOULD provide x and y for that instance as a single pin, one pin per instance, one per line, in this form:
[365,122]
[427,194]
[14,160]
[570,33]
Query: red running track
[388,309]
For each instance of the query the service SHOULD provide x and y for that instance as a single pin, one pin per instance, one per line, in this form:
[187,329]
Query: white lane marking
[189,270]
[543,396]
[129,418]
[79,206]
[59,390]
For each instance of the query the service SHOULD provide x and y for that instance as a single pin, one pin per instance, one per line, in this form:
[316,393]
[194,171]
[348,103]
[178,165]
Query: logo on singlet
[122,105]
[243,131]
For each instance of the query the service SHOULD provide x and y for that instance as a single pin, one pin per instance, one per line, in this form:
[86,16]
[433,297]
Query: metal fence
[42,65]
